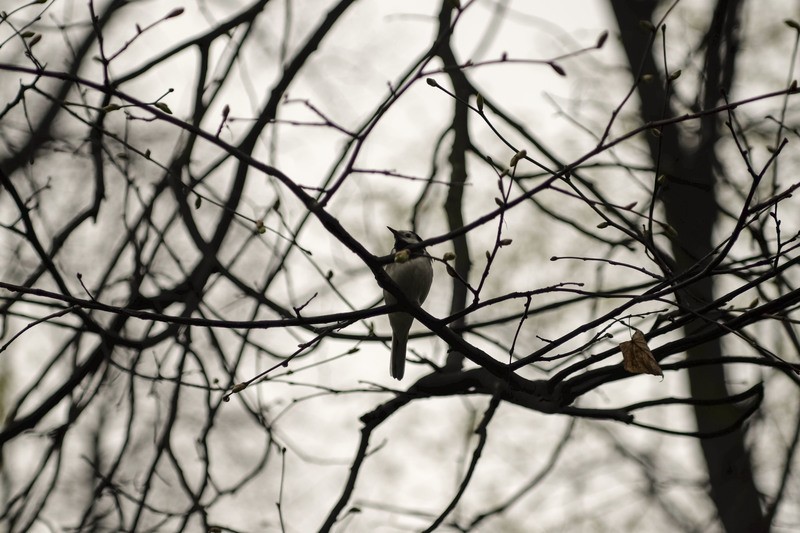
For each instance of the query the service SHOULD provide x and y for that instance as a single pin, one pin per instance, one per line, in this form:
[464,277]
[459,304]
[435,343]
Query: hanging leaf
[637,357]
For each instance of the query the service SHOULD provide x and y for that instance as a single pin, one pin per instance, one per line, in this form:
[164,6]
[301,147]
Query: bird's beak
[394,231]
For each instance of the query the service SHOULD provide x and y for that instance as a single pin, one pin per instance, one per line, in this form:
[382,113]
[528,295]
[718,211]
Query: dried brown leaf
[637,357]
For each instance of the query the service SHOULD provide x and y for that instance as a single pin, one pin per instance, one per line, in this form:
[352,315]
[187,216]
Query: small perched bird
[414,276]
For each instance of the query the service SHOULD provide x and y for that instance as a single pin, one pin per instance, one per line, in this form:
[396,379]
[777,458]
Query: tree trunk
[690,205]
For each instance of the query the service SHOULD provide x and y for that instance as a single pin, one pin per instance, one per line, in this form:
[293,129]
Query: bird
[413,273]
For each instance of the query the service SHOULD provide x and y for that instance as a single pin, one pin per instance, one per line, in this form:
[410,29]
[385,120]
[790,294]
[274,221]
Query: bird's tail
[397,364]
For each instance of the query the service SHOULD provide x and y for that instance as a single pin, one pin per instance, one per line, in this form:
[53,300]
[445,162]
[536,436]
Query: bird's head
[404,238]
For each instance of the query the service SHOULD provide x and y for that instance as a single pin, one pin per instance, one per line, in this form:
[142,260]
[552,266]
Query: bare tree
[193,201]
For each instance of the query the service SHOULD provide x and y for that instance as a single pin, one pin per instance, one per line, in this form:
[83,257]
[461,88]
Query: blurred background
[194,202]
